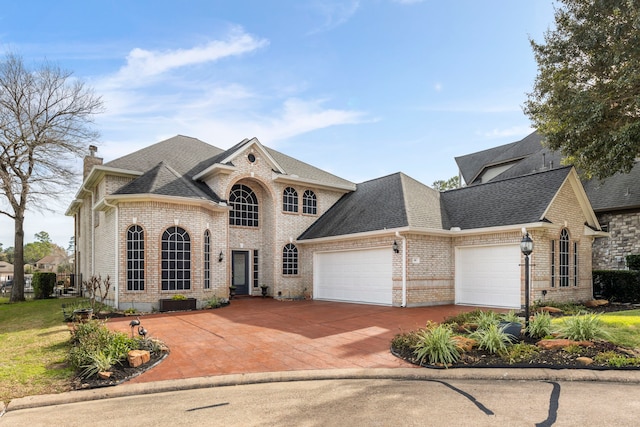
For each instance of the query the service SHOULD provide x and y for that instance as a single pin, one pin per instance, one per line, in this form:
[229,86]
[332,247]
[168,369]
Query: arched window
[309,203]
[245,206]
[135,258]
[207,260]
[176,259]
[290,200]
[290,259]
[563,253]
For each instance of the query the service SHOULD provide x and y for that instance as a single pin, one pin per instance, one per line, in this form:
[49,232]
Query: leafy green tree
[46,120]
[586,97]
[450,184]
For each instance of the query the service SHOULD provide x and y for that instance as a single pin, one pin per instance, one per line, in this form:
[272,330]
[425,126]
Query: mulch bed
[120,373]
[544,358]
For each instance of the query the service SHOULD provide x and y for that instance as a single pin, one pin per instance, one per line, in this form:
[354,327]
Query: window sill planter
[169,304]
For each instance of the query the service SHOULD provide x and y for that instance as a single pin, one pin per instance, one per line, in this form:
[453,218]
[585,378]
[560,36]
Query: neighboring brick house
[615,200]
[182,216]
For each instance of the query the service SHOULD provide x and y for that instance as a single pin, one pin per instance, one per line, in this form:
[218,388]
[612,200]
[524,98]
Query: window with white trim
[176,259]
[207,260]
[245,206]
[564,258]
[290,200]
[309,203]
[135,258]
[290,259]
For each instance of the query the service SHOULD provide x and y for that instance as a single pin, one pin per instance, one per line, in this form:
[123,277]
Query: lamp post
[526,246]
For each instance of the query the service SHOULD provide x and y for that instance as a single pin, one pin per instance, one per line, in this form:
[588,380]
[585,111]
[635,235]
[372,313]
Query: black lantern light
[395,247]
[526,246]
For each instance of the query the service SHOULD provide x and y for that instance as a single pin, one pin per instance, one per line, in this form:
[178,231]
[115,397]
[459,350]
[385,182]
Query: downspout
[117,258]
[404,268]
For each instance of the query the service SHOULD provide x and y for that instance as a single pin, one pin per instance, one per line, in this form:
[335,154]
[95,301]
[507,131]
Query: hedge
[43,284]
[633,262]
[617,285]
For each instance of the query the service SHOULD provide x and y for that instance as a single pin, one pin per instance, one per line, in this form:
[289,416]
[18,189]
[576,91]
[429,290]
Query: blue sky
[360,88]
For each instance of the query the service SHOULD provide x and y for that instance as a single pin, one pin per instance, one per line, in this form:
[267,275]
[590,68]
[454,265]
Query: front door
[240,272]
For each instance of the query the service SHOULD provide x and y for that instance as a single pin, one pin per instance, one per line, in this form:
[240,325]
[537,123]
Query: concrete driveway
[264,335]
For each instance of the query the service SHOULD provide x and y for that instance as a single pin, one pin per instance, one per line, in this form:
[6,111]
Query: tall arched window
[563,253]
[290,259]
[207,260]
[135,258]
[176,259]
[290,200]
[309,203]
[245,206]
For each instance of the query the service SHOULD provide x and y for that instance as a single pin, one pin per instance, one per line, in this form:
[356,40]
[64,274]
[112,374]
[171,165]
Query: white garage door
[488,276]
[355,276]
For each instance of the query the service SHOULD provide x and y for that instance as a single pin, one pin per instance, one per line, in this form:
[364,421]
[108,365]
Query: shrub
[511,316]
[43,284]
[93,343]
[633,262]
[436,345]
[178,297]
[462,318]
[617,285]
[485,319]
[492,338]
[520,352]
[586,327]
[214,302]
[540,325]
[616,360]
[98,362]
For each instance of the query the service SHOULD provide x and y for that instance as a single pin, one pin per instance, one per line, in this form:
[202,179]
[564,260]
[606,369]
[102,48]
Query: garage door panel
[488,275]
[355,276]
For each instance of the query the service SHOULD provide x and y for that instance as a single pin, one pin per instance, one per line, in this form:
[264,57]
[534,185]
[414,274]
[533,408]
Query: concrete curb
[490,374]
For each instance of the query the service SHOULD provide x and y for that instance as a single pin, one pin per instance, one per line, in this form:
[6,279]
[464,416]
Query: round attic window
[251,158]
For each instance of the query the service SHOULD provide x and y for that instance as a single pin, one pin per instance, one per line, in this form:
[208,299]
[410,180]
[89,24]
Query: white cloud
[143,64]
[335,13]
[514,131]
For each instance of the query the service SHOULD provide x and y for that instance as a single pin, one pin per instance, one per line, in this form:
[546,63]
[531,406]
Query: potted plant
[177,302]
[264,288]
[232,291]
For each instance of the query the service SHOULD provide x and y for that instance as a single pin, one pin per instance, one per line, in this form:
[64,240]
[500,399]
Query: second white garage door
[363,276]
[488,276]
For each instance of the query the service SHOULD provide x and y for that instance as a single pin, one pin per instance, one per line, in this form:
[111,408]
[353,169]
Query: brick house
[615,200]
[182,216]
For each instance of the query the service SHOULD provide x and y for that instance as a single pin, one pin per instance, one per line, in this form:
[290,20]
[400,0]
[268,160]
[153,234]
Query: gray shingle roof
[389,202]
[169,166]
[519,200]
[304,170]
[163,180]
[618,192]
[471,165]
[186,155]
[375,205]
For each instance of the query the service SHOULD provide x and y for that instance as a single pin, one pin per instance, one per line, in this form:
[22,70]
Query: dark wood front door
[240,272]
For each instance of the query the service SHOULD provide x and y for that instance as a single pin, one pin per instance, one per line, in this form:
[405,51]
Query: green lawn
[624,327]
[33,348]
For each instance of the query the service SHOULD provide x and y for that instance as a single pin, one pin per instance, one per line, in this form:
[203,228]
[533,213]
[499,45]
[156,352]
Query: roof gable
[520,200]
[472,166]
[390,202]
[164,180]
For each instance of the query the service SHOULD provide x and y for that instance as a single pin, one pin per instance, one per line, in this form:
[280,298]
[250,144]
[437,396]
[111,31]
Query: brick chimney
[90,161]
